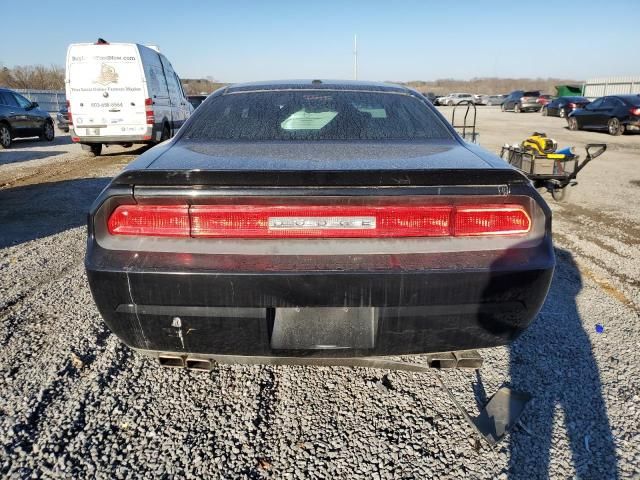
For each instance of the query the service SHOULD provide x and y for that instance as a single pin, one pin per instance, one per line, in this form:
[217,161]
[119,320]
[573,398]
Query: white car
[122,93]
[457,99]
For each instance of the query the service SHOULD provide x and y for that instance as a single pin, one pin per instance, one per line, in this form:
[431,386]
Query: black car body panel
[24,118]
[199,297]
[562,106]
[597,114]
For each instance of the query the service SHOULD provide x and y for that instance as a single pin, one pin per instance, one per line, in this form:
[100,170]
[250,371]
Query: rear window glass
[315,115]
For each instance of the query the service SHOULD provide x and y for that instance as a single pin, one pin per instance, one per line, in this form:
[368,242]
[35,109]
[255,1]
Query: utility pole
[355,57]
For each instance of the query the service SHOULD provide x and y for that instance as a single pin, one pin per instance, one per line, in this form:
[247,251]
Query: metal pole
[355,57]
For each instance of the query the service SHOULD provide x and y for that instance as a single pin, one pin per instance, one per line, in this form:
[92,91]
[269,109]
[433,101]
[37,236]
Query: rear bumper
[632,123]
[147,137]
[531,106]
[392,304]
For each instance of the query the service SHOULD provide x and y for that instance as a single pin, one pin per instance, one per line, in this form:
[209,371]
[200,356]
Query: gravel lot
[76,403]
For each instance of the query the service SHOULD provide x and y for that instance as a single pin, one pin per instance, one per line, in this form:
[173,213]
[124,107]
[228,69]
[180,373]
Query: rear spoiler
[321,178]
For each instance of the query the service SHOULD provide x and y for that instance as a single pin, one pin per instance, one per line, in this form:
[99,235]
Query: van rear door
[106,89]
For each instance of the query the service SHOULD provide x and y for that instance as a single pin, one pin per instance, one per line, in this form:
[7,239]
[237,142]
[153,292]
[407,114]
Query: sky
[239,40]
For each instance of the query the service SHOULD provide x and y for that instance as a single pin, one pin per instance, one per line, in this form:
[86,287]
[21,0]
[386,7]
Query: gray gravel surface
[76,403]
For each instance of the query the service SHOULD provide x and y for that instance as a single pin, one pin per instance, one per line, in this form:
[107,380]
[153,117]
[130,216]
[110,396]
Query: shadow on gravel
[553,361]
[8,156]
[36,211]
[19,143]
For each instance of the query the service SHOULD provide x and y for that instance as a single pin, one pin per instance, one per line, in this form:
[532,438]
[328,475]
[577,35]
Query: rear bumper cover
[231,305]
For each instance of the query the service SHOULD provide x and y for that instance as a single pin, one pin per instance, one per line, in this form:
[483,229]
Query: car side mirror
[32,106]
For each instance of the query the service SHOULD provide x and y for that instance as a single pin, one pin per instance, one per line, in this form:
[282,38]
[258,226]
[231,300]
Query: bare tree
[35,77]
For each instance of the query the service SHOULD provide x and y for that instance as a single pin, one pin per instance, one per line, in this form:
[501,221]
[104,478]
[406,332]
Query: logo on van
[107,75]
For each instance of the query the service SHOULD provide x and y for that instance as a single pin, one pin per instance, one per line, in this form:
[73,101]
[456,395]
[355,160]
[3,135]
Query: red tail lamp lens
[150,220]
[507,220]
[318,221]
[246,221]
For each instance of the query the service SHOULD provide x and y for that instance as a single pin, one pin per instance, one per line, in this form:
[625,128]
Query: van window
[156,81]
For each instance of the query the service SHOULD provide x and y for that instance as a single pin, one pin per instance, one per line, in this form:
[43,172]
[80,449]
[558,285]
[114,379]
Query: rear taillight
[318,221]
[572,106]
[148,105]
[69,111]
[150,220]
[635,111]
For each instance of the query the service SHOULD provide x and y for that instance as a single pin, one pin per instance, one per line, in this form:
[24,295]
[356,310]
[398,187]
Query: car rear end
[107,97]
[205,250]
[529,102]
[631,120]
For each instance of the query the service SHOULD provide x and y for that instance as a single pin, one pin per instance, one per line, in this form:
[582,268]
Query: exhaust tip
[171,361]
[200,364]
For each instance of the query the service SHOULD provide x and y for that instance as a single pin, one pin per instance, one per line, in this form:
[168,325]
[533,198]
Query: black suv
[521,101]
[20,117]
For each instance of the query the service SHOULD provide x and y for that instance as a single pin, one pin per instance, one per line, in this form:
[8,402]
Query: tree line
[35,77]
[491,85]
[41,77]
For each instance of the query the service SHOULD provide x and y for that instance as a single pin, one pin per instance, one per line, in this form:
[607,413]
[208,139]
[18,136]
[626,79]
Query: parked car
[543,99]
[495,99]
[457,99]
[562,106]
[614,113]
[439,100]
[20,118]
[62,119]
[521,101]
[480,99]
[122,93]
[317,219]
[196,100]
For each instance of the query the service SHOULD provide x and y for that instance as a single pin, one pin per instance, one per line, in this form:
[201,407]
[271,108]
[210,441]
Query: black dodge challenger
[317,219]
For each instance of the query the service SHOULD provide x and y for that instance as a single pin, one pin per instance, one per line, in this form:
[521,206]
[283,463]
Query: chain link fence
[49,100]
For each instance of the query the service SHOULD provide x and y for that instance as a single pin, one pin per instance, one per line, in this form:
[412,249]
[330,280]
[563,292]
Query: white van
[122,93]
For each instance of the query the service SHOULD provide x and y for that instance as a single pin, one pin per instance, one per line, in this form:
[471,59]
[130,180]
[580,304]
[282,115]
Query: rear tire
[450,103]
[166,133]
[517,108]
[92,149]
[615,127]
[562,113]
[573,124]
[5,136]
[48,132]
[502,107]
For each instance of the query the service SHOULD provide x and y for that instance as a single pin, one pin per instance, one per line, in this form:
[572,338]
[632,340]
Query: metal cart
[553,174]
[467,129]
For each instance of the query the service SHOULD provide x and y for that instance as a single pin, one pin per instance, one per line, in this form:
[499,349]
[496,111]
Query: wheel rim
[562,113]
[5,136]
[614,125]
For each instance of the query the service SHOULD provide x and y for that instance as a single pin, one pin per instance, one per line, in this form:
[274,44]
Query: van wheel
[48,132]
[92,149]
[5,136]
[517,108]
[166,133]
